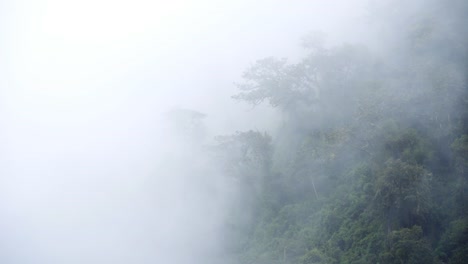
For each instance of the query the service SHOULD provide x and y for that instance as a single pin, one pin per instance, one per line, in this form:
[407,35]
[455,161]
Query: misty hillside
[370,162]
[233,132]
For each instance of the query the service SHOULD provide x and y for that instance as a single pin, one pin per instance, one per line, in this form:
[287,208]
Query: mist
[120,122]
[90,173]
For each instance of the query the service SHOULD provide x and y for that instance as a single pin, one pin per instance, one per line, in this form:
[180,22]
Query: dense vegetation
[371,162]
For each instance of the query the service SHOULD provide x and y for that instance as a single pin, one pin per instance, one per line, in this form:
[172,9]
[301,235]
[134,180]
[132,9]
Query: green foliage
[402,193]
[407,245]
[310,89]
[245,154]
[460,149]
[370,165]
[408,146]
[460,146]
[314,256]
[453,245]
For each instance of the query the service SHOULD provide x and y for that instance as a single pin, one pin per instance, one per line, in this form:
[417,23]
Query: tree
[245,155]
[320,90]
[402,192]
[186,124]
[408,246]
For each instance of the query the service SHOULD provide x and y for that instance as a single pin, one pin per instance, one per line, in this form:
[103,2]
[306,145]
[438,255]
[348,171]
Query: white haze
[88,173]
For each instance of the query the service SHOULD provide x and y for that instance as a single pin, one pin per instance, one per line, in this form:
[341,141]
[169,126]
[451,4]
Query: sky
[79,57]
[82,90]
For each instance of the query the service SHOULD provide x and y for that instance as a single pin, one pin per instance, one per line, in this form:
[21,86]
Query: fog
[91,169]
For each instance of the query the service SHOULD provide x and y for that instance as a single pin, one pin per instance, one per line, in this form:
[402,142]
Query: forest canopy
[370,163]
